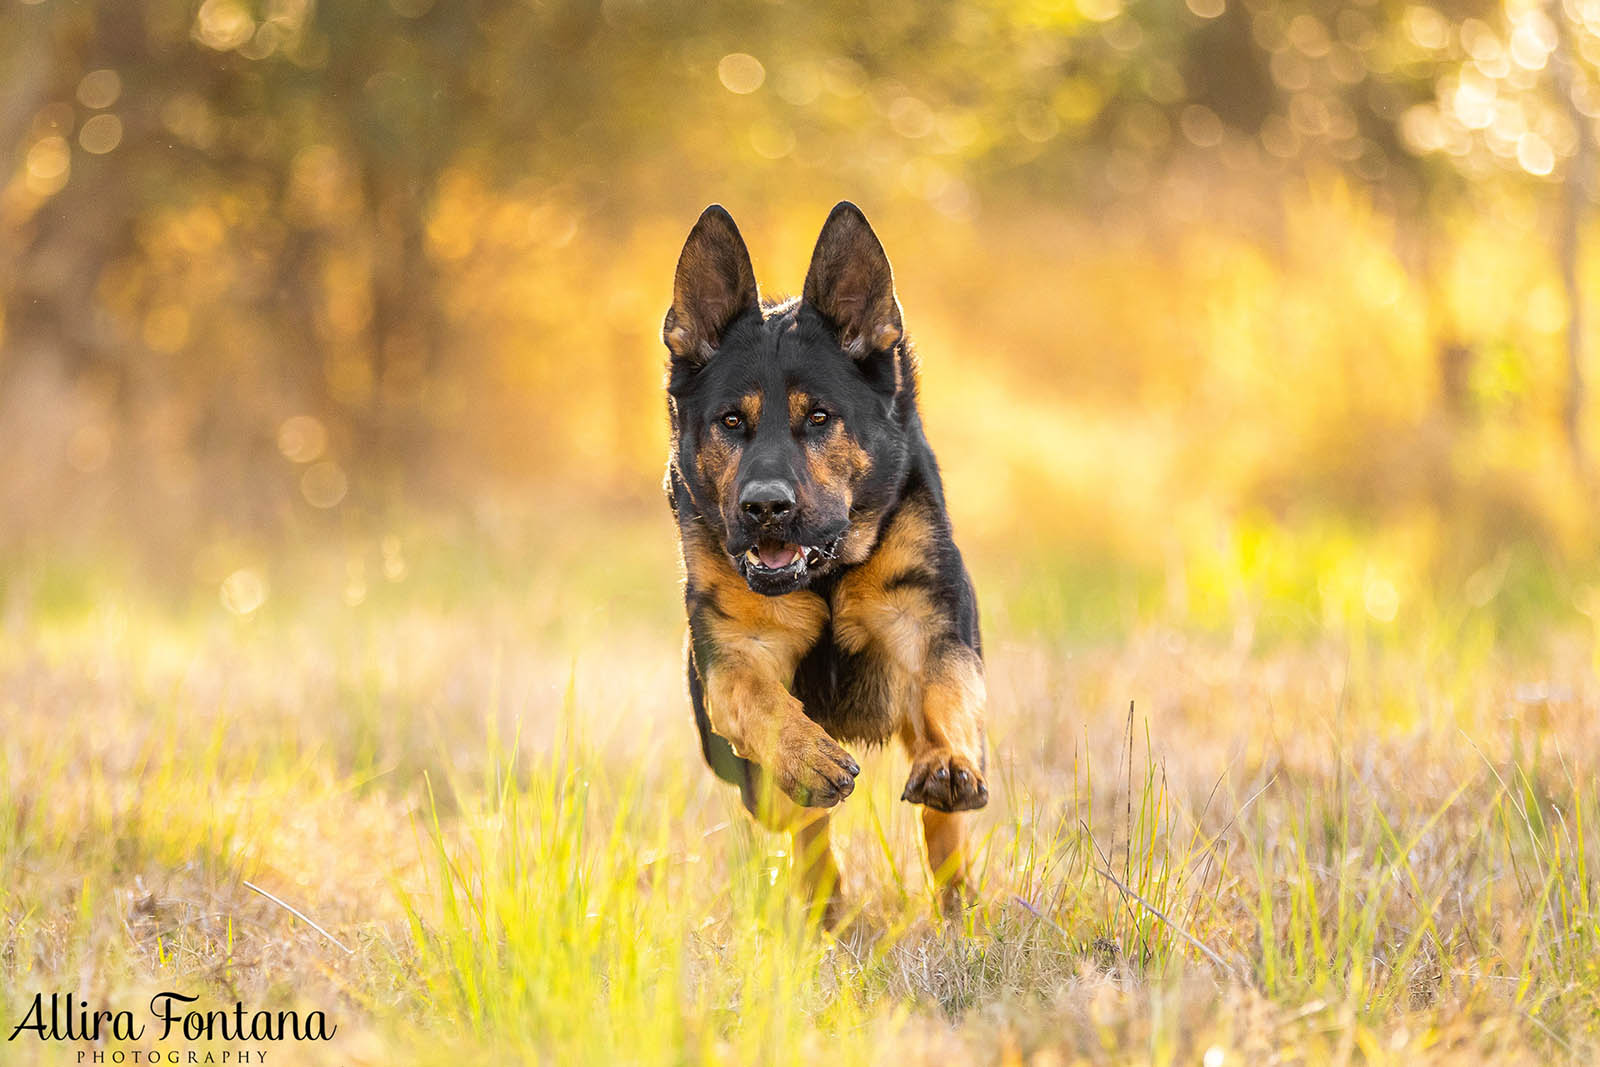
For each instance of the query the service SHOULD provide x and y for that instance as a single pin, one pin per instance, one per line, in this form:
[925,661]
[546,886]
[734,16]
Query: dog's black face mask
[788,420]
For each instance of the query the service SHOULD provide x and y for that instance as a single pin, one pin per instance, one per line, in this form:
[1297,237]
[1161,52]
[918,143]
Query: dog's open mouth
[771,560]
[782,555]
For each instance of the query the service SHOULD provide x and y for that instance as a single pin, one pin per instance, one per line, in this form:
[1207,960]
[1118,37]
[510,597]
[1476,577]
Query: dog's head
[789,420]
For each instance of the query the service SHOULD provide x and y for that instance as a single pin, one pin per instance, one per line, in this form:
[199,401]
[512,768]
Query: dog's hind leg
[814,863]
[946,835]
[818,869]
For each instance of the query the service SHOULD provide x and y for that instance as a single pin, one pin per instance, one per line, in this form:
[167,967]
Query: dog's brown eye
[732,420]
[818,417]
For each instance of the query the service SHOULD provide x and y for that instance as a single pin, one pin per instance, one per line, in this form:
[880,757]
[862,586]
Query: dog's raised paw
[945,781]
[813,769]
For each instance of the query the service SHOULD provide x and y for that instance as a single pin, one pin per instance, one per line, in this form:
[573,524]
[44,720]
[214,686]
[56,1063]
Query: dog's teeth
[753,556]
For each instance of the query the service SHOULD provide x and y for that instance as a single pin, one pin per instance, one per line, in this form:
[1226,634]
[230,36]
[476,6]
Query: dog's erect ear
[851,284]
[714,286]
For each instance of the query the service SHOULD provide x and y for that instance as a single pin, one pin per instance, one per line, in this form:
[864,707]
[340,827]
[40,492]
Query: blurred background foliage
[1230,311]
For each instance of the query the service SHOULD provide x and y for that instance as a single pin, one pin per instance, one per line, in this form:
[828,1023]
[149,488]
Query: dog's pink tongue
[776,556]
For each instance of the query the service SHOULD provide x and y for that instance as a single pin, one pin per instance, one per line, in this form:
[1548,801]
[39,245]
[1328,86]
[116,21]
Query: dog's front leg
[945,740]
[766,724]
[944,737]
[746,647]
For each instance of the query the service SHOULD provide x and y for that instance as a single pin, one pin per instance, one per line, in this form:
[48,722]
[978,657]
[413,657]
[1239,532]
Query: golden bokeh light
[244,591]
[224,24]
[1535,155]
[99,88]
[772,140]
[394,560]
[324,484]
[1201,126]
[302,438]
[48,165]
[100,134]
[1099,10]
[1381,599]
[355,584]
[741,73]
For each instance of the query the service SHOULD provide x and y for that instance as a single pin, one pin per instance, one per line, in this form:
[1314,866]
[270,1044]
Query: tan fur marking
[835,463]
[860,538]
[718,463]
[835,458]
[750,407]
[902,621]
[702,560]
[677,338]
[799,407]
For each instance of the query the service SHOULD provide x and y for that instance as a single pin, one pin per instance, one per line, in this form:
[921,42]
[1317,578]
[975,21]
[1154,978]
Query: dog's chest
[862,678]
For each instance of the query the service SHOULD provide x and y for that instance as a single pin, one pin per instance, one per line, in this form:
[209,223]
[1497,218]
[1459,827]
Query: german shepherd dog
[827,602]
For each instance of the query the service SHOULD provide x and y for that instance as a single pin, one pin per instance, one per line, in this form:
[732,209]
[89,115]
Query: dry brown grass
[1386,848]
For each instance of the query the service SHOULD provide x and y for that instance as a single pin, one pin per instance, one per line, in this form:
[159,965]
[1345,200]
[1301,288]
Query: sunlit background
[1248,315]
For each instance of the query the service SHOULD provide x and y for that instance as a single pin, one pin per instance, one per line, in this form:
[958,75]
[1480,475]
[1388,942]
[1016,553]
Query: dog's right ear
[714,285]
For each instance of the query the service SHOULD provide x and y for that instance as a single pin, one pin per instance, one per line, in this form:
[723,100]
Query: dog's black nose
[767,500]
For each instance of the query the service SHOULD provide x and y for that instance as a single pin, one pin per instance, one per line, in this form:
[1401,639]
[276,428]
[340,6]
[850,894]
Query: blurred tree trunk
[57,258]
[1420,244]
[404,328]
[29,66]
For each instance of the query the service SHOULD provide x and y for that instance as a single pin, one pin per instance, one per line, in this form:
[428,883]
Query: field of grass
[481,782]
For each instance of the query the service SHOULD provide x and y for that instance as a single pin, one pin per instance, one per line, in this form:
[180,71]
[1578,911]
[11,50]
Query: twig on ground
[1041,916]
[302,916]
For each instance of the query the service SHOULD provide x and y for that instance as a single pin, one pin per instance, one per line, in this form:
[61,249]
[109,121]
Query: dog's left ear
[851,284]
